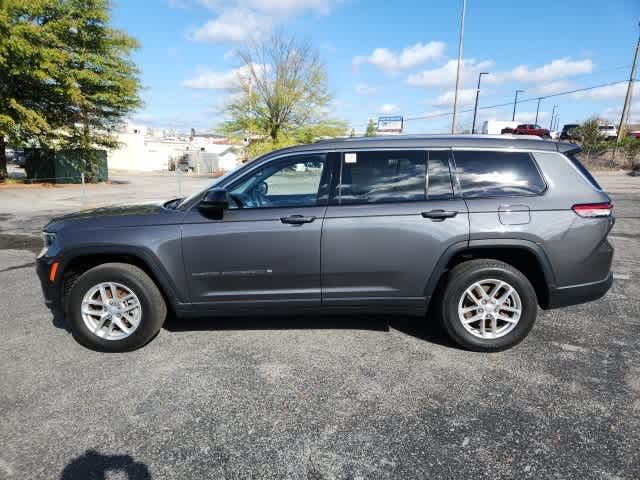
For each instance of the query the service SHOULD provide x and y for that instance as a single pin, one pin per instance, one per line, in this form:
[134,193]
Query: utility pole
[515,101]
[627,99]
[455,97]
[553,112]
[538,110]
[475,109]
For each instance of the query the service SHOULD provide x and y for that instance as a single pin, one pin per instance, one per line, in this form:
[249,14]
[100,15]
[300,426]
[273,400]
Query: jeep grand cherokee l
[483,229]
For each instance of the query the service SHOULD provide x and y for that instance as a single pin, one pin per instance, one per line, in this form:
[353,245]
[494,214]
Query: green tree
[66,76]
[590,137]
[371,129]
[31,90]
[280,95]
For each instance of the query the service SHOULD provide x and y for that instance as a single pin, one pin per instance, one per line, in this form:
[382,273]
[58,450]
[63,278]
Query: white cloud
[238,20]
[445,76]
[388,108]
[234,25]
[561,68]
[470,68]
[270,6]
[364,89]
[551,88]
[409,57]
[607,92]
[210,80]
[466,96]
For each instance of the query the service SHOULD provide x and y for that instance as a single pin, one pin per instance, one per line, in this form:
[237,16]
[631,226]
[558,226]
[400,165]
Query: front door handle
[439,215]
[297,219]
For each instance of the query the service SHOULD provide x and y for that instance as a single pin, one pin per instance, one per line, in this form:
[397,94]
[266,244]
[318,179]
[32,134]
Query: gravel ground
[314,398]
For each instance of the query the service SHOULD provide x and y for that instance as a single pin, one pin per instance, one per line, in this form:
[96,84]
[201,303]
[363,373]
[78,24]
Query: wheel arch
[526,256]
[83,259]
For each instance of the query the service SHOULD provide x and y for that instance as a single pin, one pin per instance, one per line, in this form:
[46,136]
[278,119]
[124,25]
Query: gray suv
[475,231]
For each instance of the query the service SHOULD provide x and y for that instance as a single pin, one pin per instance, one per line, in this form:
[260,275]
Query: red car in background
[528,129]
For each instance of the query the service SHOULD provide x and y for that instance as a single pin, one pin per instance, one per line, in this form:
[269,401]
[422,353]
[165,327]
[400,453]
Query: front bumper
[575,294]
[51,290]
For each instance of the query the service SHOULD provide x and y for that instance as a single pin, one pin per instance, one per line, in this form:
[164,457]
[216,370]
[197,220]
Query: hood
[152,213]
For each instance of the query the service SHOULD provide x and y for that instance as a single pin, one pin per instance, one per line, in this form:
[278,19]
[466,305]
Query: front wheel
[115,307]
[488,305]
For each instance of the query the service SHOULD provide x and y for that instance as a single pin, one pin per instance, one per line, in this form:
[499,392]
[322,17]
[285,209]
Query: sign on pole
[390,124]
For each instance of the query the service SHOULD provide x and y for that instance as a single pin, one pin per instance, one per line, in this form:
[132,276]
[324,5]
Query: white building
[142,152]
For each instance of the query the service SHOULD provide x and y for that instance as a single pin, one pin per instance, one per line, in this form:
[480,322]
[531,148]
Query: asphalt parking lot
[315,398]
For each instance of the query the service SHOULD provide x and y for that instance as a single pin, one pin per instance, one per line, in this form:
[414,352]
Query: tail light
[591,210]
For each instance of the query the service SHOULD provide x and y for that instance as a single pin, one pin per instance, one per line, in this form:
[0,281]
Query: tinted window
[291,182]
[488,174]
[439,185]
[374,177]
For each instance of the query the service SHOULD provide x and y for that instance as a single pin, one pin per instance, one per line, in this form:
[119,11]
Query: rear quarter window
[497,174]
[583,170]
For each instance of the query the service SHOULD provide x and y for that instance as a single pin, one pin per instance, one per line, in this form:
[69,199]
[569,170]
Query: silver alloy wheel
[111,311]
[489,309]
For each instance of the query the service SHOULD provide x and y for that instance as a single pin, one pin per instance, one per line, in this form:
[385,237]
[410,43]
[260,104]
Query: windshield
[187,200]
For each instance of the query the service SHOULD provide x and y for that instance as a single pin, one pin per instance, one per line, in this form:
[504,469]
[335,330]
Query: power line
[525,100]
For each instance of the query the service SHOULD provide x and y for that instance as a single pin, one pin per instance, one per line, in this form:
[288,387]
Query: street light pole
[475,109]
[460,43]
[553,112]
[538,110]
[515,101]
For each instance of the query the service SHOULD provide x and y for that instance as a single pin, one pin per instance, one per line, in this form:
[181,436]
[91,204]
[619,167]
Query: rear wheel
[488,305]
[115,307]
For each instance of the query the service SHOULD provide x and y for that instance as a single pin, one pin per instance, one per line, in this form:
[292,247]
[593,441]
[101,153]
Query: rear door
[392,214]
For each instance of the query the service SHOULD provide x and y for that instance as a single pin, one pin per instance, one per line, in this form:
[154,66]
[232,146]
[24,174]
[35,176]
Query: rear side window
[583,170]
[496,174]
[384,176]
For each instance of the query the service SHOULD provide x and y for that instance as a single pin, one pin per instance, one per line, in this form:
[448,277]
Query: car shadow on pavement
[420,328]
[95,466]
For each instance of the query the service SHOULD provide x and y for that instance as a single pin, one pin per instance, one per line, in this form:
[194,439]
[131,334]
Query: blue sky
[392,57]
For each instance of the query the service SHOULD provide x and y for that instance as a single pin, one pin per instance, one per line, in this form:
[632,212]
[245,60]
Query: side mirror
[214,203]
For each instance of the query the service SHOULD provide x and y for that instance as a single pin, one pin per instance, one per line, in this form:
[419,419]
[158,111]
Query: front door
[392,216]
[265,251]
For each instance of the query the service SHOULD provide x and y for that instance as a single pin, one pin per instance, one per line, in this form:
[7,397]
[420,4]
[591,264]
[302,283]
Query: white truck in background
[494,127]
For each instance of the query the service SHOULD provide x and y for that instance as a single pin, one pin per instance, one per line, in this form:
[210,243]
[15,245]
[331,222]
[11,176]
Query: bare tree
[280,88]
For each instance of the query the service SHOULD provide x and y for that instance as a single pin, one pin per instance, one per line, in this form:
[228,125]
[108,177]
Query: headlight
[48,239]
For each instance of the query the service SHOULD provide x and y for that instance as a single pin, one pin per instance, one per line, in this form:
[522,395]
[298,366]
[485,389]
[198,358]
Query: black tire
[154,309]
[462,277]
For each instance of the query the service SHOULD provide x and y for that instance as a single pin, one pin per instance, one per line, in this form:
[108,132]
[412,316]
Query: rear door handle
[439,215]
[297,219]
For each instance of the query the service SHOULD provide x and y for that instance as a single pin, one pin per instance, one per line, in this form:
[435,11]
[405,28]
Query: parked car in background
[609,132]
[485,229]
[19,158]
[528,129]
[570,131]
[634,133]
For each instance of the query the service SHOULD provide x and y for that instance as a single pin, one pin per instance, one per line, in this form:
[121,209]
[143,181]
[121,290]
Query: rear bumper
[50,290]
[575,294]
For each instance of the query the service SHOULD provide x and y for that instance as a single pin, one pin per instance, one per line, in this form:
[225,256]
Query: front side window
[491,174]
[292,182]
[381,177]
